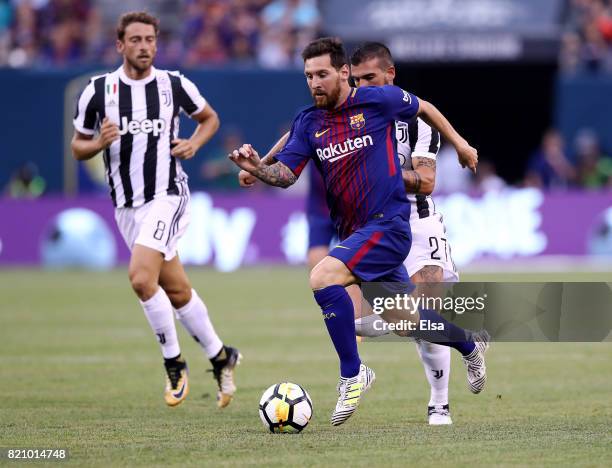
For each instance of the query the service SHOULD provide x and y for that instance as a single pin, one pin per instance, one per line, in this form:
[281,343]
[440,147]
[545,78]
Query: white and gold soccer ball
[285,407]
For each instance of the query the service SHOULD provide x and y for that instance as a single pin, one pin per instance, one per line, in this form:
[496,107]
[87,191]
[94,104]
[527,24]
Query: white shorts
[430,247]
[158,224]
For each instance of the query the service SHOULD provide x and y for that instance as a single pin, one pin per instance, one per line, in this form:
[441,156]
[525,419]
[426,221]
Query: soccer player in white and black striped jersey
[135,111]
[429,262]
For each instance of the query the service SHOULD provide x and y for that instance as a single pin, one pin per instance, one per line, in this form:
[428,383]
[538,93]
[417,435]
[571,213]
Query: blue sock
[339,316]
[450,335]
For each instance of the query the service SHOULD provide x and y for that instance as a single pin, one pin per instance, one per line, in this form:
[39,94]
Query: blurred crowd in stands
[587,37]
[555,165]
[270,33]
[559,165]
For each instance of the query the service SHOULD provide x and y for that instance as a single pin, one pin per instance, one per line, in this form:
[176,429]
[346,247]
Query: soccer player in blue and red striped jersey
[349,134]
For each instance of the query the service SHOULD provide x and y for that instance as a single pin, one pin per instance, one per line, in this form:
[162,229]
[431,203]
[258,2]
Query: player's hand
[468,156]
[245,179]
[246,158]
[183,149]
[109,132]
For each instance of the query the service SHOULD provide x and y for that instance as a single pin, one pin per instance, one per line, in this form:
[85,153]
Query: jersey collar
[127,80]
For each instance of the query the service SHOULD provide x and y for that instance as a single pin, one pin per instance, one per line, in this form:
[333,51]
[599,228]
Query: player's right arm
[422,178]
[86,120]
[86,146]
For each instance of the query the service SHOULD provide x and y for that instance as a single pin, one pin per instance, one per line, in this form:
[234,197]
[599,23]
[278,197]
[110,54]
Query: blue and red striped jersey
[354,149]
[316,201]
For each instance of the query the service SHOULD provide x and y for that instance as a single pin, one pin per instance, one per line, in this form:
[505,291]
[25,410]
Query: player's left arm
[245,179]
[468,156]
[404,106]
[290,160]
[208,124]
[270,158]
[277,174]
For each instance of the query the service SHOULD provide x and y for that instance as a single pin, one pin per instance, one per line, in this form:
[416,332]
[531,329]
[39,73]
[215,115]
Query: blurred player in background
[135,110]
[350,135]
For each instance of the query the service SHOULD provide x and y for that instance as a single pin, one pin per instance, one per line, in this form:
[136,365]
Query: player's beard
[139,66]
[328,101]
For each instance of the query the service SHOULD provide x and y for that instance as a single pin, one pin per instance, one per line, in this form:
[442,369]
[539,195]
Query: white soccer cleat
[475,362]
[350,391]
[439,415]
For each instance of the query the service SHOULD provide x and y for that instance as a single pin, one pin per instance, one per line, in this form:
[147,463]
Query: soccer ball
[285,407]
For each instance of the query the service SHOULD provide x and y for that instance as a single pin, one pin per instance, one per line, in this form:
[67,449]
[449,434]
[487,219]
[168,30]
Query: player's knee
[428,274]
[180,296]
[143,284]
[323,276]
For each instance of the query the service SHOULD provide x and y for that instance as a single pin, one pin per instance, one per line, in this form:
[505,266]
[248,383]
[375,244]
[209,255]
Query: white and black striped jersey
[416,139]
[139,166]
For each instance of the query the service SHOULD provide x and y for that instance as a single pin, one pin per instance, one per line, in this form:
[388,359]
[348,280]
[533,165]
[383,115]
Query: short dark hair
[136,17]
[370,50]
[327,45]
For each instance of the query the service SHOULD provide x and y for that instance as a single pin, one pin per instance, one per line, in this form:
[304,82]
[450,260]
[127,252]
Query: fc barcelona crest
[357,121]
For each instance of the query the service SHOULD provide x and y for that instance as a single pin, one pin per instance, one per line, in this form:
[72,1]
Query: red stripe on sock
[365,248]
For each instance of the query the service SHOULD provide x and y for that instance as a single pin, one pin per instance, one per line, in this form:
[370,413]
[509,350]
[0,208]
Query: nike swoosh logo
[342,247]
[320,134]
[180,393]
[342,156]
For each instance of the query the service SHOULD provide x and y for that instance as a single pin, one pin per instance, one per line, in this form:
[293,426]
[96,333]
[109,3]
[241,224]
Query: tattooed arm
[268,159]
[277,174]
[246,179]
[422,179]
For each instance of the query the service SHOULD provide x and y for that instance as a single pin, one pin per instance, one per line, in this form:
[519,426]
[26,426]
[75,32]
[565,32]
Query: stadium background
[529,83]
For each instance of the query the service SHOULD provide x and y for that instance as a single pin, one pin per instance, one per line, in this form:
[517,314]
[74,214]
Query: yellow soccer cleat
[177,381]
[223,372]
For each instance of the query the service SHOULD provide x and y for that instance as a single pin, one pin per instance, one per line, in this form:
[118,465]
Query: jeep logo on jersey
[333,152]
[157,126]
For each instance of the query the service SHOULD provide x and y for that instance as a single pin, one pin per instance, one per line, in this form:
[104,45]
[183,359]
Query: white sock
[158,311]
[194,317]
[371,326]
[436,362]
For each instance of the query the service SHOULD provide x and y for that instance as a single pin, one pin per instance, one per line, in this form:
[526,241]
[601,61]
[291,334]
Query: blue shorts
[321,231]
[376,252]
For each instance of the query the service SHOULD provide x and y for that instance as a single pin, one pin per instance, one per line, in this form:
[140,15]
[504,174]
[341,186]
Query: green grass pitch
[80,370]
